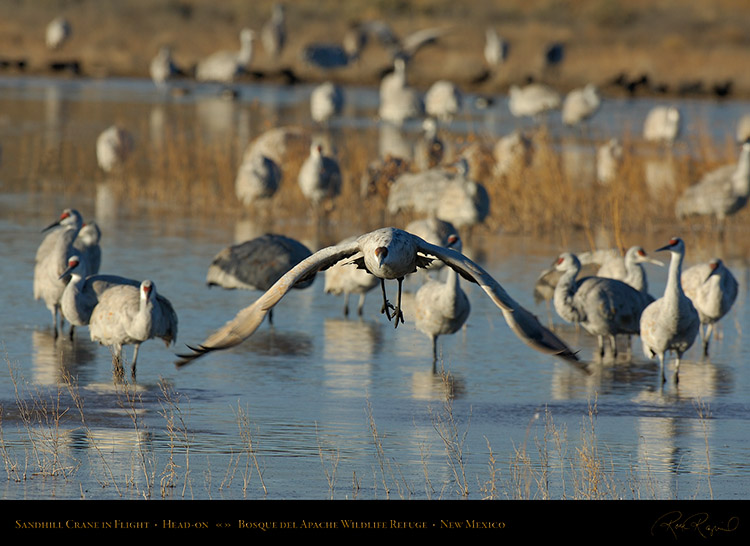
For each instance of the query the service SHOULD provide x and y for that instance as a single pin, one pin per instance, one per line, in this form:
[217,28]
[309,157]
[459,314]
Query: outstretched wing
[248,319]
[523,323]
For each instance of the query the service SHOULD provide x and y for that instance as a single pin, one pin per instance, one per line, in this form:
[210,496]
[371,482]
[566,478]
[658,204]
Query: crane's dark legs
[399,316]
[386,304]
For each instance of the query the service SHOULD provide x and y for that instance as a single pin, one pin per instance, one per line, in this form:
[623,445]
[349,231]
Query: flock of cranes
[613,302]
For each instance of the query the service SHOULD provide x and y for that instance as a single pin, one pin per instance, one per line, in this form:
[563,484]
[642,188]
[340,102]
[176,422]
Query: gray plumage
[345,279]
[258,178]
[113,147]
[257,264]
[398,100]
[326,102]
[226,66]
[671,322]
[273,33]
[721,192]
[629,268]
[319,176]
[83,291]
[580,104]
[131,315]
[443,100]
[52,260]
[604,307]
[162,68]
[436,232]
[444,192]
[441,307]
[387,253]
[713,290]
[662,124]
[495,48]
[87,247]
[532,100]
[429,149]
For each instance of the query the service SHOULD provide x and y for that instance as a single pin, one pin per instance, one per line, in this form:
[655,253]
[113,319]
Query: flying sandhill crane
[273,32]
[713,290]
[226,66]
[719,193]
[257,264]
[387,253]
[441,307]
[52,260]
[113,147]
[258,179]
[346,279]
[83,291]
[319,176]
[671,322]
[130,315]
[58,32]
[629,268]
[662,124]
[604,307]
[580,104]
[326,102]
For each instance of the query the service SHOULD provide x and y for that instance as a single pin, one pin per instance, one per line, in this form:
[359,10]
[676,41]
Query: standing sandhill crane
[441,307]
[83,291]
[495,48]
[629,268]
[671,322]
[346,279]
[52,260]
[609,157]
[532,100]
[512,152]
[443,100]
[398,101]
[87,247]
[713,289]
[387,253]
[581,104]
[604,307]
[113,147]
[445,192]
[130,315]
[721,192]
[58,32]
[429,149]
[258,179]
[257,264]
[162,68]
[662,124]
[319,176]
[225,66]
[273,32]
[326,101]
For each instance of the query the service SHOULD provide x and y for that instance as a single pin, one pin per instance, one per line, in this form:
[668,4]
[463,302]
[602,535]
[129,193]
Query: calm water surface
[319,406]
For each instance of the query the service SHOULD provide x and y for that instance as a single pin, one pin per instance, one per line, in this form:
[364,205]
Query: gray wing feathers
[523,323]
[248,319]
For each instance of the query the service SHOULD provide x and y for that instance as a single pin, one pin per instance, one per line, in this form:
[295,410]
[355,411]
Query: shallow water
[329,407]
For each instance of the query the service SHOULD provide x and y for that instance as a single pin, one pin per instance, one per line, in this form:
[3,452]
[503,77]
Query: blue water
[319,406]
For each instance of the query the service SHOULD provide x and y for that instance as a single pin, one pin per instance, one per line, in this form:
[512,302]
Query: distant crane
[387,253]
[720,192]
[670,323]
[273,32]
[257,264]
[258,178]
[129,315]
[58,32]
[713,290]
[629,268]
[443,101]
[326,102]
[113,147]
[87,247]
[226,66]
[581,104]
[662,124]
[319,176]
